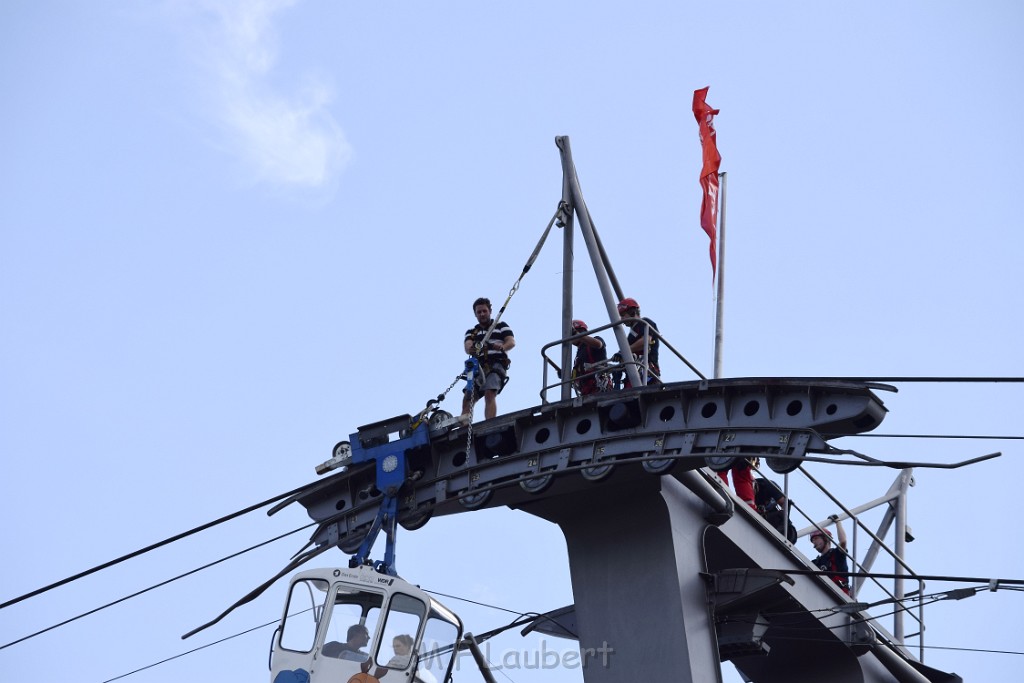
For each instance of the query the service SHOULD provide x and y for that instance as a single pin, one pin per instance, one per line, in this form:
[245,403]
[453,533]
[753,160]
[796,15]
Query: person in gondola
[493,359]
[352,648]
[402,645]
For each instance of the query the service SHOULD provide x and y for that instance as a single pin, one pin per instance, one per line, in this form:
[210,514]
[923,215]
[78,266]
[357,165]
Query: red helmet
[820,532]
[627,304]
[578,326]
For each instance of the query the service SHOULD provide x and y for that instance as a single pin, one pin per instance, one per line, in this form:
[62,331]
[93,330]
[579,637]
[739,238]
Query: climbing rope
[473,364]
[558,217]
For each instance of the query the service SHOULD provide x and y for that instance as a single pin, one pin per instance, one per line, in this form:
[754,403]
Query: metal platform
[597,467]
[561,447]
[668,571]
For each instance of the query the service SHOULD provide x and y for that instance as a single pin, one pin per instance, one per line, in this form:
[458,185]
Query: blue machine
[373,443]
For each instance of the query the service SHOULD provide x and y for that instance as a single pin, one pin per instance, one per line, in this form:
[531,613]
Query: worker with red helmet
[832,560]
[640,337]
[590,350]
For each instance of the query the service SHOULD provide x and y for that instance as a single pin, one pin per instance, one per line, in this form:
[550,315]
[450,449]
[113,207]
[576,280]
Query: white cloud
[285,138]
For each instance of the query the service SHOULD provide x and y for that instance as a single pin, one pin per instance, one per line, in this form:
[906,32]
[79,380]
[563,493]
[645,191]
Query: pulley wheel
[342,449]
[659,465]
[416,520]
[437,418]
[597,472]
[351,543]
[783,465]
[472,501]
[537,484]
[720,463]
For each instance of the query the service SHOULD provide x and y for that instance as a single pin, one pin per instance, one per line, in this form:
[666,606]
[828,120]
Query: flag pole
[719,322]
[710,203]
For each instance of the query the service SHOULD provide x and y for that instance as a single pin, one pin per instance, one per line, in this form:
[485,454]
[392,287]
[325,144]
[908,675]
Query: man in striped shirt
[493,358]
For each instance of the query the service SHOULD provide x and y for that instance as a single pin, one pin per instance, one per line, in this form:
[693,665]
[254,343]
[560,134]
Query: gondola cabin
[361,626]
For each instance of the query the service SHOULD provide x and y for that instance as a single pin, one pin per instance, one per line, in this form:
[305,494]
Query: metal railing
[640,361]
[895,498]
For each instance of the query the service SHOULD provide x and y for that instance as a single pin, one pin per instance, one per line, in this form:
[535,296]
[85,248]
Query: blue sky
[231,233]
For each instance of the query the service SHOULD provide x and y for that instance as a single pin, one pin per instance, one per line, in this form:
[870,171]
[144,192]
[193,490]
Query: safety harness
[831,563]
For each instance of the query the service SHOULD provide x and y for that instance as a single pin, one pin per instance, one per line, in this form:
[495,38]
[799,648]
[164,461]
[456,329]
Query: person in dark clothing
[352,649]
[832,560]
[771,503]
[639,336]
[590,349]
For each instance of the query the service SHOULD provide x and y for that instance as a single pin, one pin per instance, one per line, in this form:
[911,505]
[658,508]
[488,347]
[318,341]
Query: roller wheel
[597,472]
[659,465]
[537,484]
[351,543]
[416,520]
[437,418]
[473,501]
[720,463]
[783,465]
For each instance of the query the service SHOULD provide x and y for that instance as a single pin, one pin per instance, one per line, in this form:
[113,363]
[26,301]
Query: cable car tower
[670,575]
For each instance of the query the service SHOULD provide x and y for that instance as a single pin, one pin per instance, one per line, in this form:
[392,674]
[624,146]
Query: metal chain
[458,378]
[434,403]
[472,369]
[469,430]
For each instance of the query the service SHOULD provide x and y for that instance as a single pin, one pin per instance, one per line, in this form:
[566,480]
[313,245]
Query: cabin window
[305,606]
[437,648]
[352,624]
[405,614]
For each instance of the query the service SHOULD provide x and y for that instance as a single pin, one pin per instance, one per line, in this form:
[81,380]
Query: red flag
[709,173]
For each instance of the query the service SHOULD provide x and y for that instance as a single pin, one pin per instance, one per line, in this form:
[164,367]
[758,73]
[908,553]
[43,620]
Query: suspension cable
[155,586]
[154,546]
[195,649]
[505,609]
